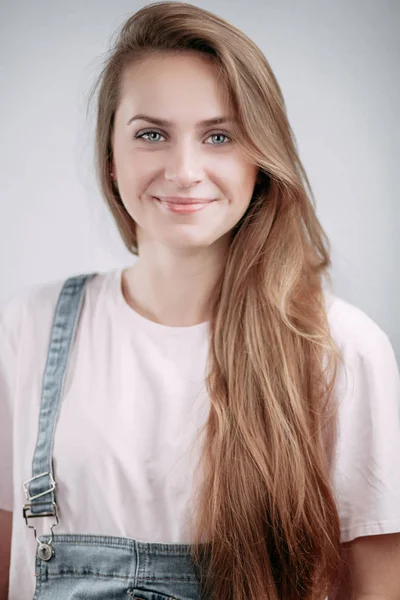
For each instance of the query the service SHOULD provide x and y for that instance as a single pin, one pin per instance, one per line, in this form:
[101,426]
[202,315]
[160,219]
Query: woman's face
[166,156]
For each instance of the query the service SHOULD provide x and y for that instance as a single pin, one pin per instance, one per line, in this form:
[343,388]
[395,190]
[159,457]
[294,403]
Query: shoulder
[352,328]
[369,374]
[31,310]
[368,382]
[31,304]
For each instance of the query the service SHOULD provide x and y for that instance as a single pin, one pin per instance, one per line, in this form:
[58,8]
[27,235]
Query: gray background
[338,67]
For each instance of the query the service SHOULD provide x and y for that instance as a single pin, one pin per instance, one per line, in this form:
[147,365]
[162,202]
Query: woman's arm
[5,547]
[373,568]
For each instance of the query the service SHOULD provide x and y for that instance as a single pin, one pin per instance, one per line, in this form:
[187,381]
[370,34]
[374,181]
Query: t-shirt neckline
[143,322]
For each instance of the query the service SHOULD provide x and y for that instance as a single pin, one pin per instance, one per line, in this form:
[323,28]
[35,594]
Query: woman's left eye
[214,135]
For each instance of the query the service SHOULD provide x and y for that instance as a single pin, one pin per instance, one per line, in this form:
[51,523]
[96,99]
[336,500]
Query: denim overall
[89,567]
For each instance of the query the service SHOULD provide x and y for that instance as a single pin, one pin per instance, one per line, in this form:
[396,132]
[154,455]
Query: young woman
[211,421]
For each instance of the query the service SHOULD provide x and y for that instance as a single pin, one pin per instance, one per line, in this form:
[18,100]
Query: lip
[179,200]
[183,208]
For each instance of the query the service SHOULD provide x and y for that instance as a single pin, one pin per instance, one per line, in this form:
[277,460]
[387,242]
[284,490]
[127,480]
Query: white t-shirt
[134,399]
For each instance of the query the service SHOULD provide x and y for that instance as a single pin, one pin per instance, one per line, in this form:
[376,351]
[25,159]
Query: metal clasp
[27,514]
[27,508]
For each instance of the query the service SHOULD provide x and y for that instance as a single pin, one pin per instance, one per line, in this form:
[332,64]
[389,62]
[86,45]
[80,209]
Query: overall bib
[91,567]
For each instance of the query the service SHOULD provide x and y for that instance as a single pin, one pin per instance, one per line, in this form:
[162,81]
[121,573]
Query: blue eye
[220,135]
[148,133]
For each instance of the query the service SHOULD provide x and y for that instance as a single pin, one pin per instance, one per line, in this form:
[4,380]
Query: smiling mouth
[177,200]
[183,206]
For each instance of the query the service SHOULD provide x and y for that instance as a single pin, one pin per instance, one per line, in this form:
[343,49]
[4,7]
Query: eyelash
[140,136]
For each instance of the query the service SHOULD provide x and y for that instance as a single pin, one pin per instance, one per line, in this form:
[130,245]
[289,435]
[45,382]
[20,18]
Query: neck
[174,288]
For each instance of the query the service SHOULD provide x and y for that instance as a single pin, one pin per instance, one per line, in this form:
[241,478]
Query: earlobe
[113,178]
[110,166]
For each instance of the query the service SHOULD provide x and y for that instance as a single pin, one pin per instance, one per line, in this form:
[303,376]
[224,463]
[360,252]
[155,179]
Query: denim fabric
[89,567]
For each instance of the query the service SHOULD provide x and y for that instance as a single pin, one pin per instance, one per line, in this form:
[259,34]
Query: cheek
[132,165]
[249,178]
[136,174]
[237,169]
[243,179]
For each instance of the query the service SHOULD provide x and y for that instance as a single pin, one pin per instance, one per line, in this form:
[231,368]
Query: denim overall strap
[40,489]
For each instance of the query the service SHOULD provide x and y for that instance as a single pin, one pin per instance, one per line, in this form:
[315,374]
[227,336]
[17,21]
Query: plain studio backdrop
[338,66]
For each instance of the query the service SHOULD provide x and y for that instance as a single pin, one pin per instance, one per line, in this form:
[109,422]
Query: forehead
[178,87]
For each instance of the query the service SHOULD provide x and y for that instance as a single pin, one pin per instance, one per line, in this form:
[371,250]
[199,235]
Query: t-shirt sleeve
[7,377]
[11,314]
[367,471]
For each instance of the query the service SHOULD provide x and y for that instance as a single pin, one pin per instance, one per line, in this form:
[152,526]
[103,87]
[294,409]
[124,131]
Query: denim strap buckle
[42,509]
[28,481]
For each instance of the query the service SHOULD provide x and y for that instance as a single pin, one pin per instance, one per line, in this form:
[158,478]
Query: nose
[183,167]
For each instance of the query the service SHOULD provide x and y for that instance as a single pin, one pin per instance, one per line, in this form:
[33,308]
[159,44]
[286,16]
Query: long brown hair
[265,507]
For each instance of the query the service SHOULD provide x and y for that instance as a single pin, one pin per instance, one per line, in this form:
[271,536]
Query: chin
[187,244]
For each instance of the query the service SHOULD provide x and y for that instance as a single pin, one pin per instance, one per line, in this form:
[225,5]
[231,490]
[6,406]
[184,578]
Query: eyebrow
[165,123]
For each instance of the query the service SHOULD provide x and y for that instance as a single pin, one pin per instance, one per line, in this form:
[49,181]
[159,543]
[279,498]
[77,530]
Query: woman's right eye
[142,135]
